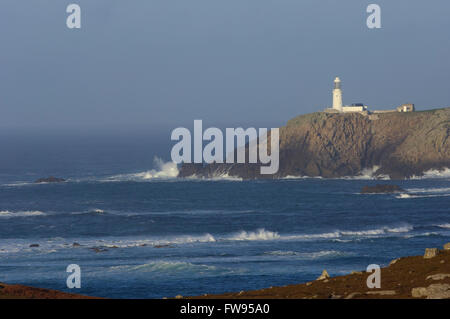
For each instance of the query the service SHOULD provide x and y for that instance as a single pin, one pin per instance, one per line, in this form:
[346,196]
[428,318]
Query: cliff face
[336,145]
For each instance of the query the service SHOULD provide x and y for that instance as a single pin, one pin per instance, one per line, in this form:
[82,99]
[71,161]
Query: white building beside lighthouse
[338,106]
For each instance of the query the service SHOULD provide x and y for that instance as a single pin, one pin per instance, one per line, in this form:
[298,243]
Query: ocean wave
[408,196]
[365,174]
[447,226]
[166,171]
[428,190]
[167,267]
[18,184]
[9,214]
[111,243]
[369,173]
[267,235]
[323,254]
[434,173]
[163,170]
[260,234]
[217,177]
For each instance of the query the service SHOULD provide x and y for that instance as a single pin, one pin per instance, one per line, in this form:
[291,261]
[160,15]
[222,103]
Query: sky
[160,64]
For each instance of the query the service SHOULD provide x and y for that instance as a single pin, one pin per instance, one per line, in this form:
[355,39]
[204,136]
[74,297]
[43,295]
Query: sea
[137,231]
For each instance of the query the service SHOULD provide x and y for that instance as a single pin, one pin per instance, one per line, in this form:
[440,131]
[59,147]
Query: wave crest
[9,214]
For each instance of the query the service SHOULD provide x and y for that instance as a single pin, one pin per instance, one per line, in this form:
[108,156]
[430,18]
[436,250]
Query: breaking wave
[369,173]
[8,214]
[260,234]
[405,196]
[365,174]
[434,173]
[323,254]
[162,266]
[162,170]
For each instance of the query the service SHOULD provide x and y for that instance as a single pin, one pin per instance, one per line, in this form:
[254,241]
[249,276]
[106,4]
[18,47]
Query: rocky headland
[398,145]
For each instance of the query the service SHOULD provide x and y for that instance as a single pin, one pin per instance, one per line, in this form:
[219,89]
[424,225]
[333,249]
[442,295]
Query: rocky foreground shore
[418,277]
[424,277]
[24,292]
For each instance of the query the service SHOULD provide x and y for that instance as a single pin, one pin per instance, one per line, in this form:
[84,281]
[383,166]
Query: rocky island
[333,145]
[50,179]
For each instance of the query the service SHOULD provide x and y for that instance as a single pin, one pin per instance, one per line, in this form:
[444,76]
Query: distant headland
[349,141]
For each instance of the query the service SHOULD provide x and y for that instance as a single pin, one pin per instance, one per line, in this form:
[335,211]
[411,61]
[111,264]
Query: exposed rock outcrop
[324,275]
[400,145]
[431,253]
[434,291]
[50,179]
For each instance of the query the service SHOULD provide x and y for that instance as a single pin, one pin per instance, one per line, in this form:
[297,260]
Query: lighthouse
[337,95]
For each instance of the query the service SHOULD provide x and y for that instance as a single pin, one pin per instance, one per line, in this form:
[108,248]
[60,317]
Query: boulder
[434,291]
[324,275]
[380,188]
[50,179]
[431,253]
[438,276]
[447,246]
[394,261]
[34,245]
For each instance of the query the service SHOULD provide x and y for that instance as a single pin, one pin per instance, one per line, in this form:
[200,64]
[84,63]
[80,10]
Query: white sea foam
[407,196]
[260,234]
[9,214]
[311,255]
[365,174]
[429,190]
[434,173]
[164,267]
[447,226]
[369,173]
[162,170]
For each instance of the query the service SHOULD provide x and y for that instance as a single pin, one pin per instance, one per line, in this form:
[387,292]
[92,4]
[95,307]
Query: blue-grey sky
[164,63]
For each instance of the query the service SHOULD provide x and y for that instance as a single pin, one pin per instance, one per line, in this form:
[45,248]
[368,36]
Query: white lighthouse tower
[337,95]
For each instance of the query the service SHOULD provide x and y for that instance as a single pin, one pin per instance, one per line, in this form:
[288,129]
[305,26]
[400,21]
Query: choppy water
[166,237]
[143,233]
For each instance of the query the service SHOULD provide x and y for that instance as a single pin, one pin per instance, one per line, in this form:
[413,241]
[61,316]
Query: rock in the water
[76,245]
[34,245]
[447,246]
[380,188]
[324,275]
[431,253]
[50,179]
[434,291]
